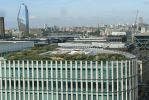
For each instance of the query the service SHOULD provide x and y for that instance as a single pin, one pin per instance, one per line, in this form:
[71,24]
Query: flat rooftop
[142,34]
[52,52]
[11,42]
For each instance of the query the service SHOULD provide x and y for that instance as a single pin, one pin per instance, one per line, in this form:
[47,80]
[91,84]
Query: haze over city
[75,12]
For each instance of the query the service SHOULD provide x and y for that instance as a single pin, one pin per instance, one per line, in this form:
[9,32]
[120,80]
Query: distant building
[23,19]
[2,27]
[142,41]
[12,46]
[118,33]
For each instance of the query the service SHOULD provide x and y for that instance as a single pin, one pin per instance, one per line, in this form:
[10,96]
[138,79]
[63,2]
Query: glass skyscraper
[23,19]
[68,80]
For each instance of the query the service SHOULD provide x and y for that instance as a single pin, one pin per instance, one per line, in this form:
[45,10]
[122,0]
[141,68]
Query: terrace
[52,52]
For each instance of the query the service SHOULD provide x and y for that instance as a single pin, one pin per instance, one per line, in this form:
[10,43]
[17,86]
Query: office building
[69,80]
[142,41]
[23,19]
[2,27]
[13,46]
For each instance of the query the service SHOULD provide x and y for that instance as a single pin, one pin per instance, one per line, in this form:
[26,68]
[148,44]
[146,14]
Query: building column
[112,80]
[126,79]
[56,70]
[47,84]
[37,66]
[76,67]
[33,78]
[91,68]
[97,80]
[86,80]
[117,70]
[101,75]
[107,76]
[122,87]
[19,80]
[5,80]
[1,80]
[42,82]
[52,79]
[23,70]
[66,73]
[130,91]
[61,68]
[28,76]
[71,80]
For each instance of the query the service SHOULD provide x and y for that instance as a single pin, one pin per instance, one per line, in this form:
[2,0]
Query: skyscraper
[2,27]
[23,19]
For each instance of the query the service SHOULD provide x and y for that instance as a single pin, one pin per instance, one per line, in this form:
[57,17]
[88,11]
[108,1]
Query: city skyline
[75,12]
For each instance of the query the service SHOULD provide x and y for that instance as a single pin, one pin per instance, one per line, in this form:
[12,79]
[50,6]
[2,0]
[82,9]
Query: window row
[70,86]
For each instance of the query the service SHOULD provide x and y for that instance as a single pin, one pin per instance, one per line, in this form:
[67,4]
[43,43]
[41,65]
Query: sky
[75,12]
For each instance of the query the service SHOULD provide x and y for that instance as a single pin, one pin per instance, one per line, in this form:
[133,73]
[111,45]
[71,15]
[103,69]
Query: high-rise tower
[2,27]
[23,19]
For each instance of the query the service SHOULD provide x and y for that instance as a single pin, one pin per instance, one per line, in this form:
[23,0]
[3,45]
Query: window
[49,73]
[84,86]
[89,74]
[83,74]
[44,73]
[39,73]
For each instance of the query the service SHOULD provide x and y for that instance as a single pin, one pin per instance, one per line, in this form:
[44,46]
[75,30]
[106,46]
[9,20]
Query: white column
[133,80]
[91,66]
[66,66]
[86,66]
[81,80]
[1,95]
[96,80]
[71,80]
[42,79]
[37,66]
[56,79]
[5,81]
[136,71]
[112,80]
[47,80]
[23,80]
[52,78]
[76,80]
[10,79]
[33,78]
[61,79]
[107,76]
[130,96]
[19,79]
[14,80]
[126,78]
[28,79]
[140,68]
[101,74]
[122,89]
[117,70]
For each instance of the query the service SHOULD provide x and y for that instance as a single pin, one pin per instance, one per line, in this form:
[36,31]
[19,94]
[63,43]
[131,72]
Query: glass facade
[68,80]
[23,19]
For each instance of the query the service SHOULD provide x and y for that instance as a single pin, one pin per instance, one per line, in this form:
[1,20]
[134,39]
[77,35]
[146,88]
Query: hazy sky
[75,12]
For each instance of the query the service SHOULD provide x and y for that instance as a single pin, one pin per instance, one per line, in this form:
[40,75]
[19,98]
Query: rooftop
[52,52]
[11,42]
[142,34]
